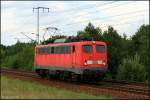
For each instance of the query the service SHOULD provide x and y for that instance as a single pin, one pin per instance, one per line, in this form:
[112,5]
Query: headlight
[99,61]
[89,62]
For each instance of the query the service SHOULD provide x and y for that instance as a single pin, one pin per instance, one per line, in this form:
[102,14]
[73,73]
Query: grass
[17,89]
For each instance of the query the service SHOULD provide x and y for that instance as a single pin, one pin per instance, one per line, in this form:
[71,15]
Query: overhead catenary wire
[135,12]
[86,7]
[98,18]
[124,23]
[81,9]
[69,24]
[72,17]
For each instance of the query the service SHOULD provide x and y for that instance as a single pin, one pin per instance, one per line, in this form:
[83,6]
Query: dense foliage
[114,49]
[128,58]
[18,56]
[132,70]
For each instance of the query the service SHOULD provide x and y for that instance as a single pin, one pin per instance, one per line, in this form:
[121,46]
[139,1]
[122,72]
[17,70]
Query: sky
[18,18]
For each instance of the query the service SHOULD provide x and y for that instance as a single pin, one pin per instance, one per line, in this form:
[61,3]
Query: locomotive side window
[87,48]
[45,50]
[67,49]
[63,50]
[58,50]
[55,50]
[40,50]
[52,50]
[49,50]
[100,48]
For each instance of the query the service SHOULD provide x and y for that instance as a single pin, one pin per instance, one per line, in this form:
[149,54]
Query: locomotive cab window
[87,49]
[100,48]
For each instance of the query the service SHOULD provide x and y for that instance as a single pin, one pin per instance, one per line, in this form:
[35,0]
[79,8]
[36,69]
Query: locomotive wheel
[42,74]
[74,77]
[63,75]
[69,78]
[49,76]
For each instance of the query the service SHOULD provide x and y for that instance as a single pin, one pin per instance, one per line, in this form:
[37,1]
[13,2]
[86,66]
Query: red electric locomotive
[86,59]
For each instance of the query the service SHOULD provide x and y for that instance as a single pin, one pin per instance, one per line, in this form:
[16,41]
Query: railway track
[130,87]
[117,89]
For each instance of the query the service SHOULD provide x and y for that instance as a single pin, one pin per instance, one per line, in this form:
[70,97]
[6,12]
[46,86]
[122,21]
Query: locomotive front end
[94,59]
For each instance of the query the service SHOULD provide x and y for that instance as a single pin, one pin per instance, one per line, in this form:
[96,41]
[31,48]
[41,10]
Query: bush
[132,70]
[22,59]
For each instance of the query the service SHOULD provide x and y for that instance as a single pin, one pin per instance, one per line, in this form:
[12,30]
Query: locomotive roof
[81,42]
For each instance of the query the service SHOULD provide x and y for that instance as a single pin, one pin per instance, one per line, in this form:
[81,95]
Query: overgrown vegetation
[128,58]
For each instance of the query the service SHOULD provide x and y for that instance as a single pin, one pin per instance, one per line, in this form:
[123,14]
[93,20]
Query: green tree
[2,55]
[131,69]
[140,45]
[90,33]
[19,56]
[114,49]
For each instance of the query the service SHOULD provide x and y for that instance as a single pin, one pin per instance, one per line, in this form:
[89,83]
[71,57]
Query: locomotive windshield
[99,48]
[87,48]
